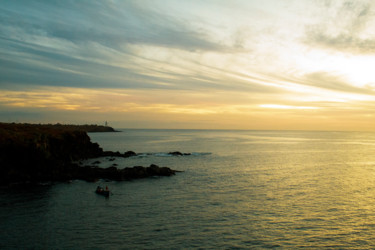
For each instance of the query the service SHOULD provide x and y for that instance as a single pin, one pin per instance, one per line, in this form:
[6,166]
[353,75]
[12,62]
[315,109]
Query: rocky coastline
[34,153]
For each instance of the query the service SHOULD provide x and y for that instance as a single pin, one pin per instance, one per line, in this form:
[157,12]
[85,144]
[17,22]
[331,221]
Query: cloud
[341,42]
[98,44]
[115,100]
[278,106]
[185,61]
[329,81]
[344,26]
[104,22]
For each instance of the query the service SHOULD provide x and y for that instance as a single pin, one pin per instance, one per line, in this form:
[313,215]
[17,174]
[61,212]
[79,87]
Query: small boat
[105,192]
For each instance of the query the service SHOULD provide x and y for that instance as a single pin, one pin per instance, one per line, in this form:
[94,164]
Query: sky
[198,64]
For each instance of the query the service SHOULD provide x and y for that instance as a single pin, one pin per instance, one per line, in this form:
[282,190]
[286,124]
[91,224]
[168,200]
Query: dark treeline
[40,127]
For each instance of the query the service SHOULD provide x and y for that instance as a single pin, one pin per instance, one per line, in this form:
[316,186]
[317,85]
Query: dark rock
[129,154]
[153,170]
[111,154]
[40,153]
[43,153]
[118,154]
[176,153]
[164,171]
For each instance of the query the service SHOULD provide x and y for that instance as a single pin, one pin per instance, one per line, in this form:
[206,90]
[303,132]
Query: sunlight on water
[242,189]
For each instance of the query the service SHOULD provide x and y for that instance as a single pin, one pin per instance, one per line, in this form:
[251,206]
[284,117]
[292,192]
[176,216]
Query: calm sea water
[240,189]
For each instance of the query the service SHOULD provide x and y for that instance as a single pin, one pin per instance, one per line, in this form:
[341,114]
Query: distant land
[63,127]
[34,153]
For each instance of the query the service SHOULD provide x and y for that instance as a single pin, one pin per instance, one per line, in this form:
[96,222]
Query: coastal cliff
[37,153]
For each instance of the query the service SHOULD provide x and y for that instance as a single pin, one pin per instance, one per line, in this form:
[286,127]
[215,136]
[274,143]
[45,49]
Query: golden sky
[302,64]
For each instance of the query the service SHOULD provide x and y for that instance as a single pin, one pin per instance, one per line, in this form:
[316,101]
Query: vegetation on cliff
[28,127]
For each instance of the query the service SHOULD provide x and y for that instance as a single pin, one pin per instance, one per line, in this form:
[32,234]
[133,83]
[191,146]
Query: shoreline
[35,153]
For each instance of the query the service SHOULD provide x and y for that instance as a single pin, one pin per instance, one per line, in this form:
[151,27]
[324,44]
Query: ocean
[238,190]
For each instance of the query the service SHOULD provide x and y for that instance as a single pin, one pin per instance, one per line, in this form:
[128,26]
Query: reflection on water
[316,191]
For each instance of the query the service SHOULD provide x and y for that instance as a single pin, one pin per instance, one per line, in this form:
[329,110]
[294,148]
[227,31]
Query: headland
[34,153]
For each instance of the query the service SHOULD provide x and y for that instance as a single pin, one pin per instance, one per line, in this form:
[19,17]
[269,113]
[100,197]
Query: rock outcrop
[90,173]
[118,154]
[37,153]
[178,153]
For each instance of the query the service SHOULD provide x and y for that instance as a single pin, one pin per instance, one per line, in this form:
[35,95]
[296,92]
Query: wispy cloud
[104,22]
[191,62]
[344,26]
[89,43]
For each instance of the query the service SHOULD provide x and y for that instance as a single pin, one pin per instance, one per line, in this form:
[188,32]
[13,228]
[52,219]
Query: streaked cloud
[344,26]
[277,106]
[199,64]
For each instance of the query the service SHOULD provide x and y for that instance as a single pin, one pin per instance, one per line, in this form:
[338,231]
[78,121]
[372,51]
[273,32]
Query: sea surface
[238,190]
